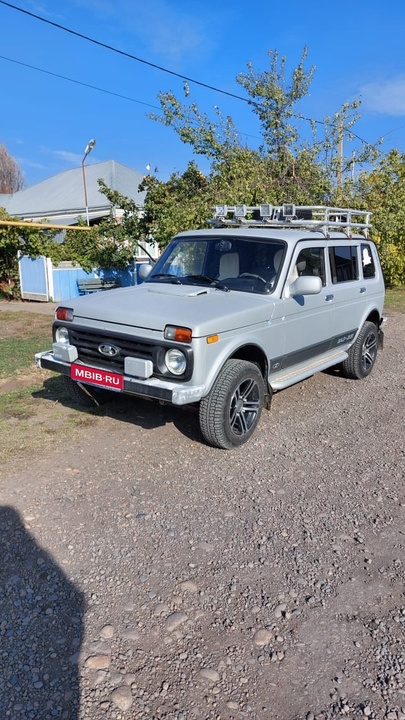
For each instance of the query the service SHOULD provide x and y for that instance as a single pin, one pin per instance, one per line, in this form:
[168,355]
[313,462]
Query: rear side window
[343,263]
[367,262]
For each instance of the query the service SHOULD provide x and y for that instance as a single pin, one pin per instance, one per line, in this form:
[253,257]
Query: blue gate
[35,278]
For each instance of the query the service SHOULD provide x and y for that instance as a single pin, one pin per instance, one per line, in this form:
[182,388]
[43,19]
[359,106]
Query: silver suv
[263,299]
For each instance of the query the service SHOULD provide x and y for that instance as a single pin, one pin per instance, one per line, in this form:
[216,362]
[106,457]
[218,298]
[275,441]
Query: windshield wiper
[212,281]
[170,276]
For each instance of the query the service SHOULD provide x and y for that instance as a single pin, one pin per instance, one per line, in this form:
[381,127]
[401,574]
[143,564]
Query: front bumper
[154,388]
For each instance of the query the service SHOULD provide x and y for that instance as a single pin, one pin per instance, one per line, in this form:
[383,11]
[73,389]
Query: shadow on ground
[137,411]
[41,628]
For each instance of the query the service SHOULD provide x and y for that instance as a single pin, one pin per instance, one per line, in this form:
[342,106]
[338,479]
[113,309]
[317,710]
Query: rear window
[367,262]
[343,263]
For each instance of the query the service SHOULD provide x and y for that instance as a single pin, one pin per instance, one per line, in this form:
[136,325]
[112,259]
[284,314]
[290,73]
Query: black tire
[231,411]
[362,354]
[86,395]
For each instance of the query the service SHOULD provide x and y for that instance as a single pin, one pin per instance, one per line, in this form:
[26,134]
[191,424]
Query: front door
[307,321]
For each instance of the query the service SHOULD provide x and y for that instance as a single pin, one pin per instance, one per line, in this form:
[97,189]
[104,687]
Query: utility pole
[340,154]
[353,165]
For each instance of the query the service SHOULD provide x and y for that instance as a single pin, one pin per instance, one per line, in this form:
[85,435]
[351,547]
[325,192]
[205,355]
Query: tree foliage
[21,240]
[283,168]
[211,138]
[383,192]
[286,167]
[270,94]
[111,243]
[273,99]
[181,203]
[250,177]
[11,176]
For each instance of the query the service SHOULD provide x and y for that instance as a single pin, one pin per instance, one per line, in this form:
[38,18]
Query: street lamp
[89,147]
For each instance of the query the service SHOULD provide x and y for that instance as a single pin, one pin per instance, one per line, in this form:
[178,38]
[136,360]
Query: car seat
[228,266]
[278,255]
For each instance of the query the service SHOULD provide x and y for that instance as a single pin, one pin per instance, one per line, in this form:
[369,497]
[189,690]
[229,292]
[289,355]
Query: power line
[98,89]
[150,64]
[79,82]
[123,53]
[147,62]
[394,130]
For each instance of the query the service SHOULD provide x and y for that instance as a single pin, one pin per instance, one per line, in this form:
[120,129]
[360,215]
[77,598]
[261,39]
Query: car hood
[205,310]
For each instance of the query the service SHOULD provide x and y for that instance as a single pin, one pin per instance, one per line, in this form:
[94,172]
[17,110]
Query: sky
[60,90]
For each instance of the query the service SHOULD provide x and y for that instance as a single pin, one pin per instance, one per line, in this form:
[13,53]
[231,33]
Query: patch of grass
[16,354]
[17,405]
[395,299]
[33,418]
[21,336]
[24,324]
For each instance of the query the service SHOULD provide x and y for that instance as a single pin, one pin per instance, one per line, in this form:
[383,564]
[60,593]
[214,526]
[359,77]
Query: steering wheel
[252,275]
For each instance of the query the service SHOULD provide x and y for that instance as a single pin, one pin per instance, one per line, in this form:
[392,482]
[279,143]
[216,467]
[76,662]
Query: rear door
[347,290]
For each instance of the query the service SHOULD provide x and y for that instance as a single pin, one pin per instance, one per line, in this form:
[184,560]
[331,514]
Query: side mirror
[305,285]
[145,270]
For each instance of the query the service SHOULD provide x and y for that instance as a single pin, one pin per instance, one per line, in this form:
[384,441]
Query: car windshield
[242,264]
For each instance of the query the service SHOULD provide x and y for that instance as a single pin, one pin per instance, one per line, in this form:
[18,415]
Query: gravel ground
[146,575]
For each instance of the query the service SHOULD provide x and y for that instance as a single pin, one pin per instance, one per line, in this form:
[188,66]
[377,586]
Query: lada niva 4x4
[264,298]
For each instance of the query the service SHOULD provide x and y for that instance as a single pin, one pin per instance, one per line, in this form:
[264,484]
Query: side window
[343,263]
[310,261]
[367,262]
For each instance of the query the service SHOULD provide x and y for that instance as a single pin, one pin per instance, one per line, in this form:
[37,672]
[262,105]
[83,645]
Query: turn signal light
[180,334]
[64,313]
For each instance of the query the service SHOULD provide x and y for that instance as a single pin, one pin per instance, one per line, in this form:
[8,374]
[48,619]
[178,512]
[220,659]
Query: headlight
[62,335]
[175,361]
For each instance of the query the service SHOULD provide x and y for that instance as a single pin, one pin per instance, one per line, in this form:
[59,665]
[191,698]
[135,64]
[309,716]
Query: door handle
[329,297]
[363,290]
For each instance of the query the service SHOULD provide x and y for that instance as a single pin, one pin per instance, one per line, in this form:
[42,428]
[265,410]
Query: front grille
[87,343]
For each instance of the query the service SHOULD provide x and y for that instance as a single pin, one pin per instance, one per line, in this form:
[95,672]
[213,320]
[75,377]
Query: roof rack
[312,217]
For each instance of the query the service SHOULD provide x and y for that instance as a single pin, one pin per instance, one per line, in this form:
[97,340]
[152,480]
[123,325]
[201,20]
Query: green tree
[112,243]
[270,94]
[284,168]
[250,177]
[181,203]
[207,137]
[273,100]
[383,192]
[243,176]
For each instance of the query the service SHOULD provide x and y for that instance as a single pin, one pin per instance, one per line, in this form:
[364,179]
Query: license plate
[93,376]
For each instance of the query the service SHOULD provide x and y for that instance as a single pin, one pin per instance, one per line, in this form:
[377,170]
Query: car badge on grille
[108,350]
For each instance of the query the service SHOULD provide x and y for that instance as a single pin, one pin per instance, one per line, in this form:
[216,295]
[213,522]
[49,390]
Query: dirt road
[43,308]
[146,575]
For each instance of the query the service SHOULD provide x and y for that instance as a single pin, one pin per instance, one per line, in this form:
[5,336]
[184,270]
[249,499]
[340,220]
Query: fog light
[62,335]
